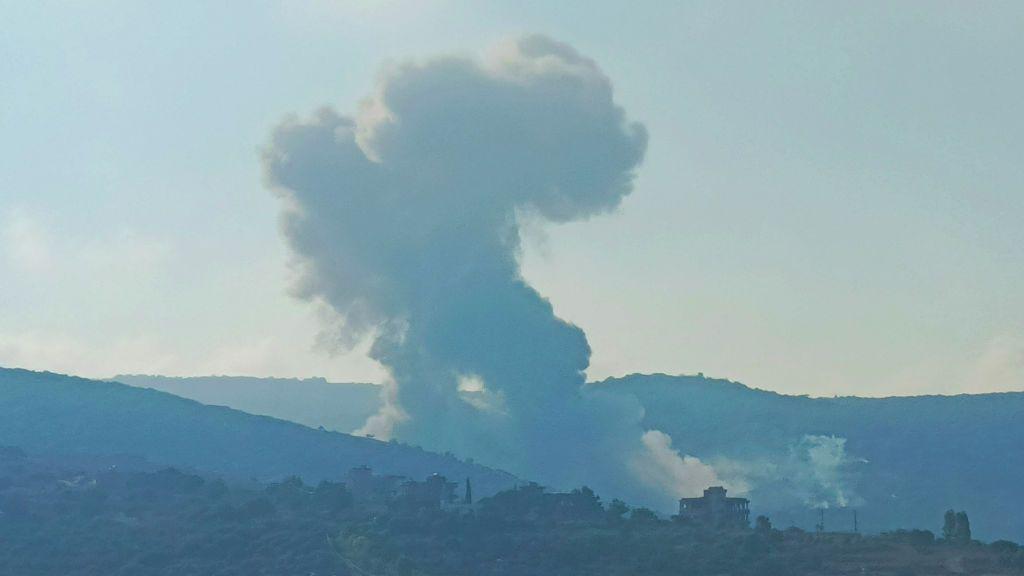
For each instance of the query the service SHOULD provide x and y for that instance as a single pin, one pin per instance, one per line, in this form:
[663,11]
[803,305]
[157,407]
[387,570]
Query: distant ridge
[910,458]
[314,402]
[905,459]
[44,412]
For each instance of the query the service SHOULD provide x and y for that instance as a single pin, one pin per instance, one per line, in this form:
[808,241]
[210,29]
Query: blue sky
[831,201]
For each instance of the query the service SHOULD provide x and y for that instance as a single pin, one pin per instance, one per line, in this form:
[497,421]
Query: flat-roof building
[715,509]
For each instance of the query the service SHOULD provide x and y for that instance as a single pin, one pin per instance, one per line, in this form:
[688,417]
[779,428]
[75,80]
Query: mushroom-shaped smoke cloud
[404,220]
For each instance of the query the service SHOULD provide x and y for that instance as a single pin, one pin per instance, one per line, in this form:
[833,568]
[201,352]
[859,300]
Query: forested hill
[51,413]
[903,458]
[314,402]
[81,518]
[897,460]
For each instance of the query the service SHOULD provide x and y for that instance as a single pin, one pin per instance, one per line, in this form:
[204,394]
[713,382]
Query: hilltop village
[379,492]
[714,510]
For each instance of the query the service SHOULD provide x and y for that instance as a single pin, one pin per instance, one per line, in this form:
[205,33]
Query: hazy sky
[831,203]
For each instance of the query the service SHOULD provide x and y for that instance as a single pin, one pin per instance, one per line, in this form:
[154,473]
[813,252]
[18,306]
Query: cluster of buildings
[374,491]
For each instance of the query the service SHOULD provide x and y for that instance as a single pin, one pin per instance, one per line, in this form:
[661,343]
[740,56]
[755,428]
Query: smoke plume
[824,476]
[404,220]
[663,468]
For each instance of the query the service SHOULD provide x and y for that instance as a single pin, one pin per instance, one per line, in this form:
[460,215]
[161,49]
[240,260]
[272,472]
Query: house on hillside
[377,493]
[434,492]
[370,490]
[715,509]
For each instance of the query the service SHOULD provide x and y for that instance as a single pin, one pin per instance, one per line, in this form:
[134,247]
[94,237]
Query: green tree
[583,501]
[332,496]
[617,509]
[963,528]
[949,526]
[643,515]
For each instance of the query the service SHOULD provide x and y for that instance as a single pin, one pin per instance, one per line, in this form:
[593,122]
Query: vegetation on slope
[128,519]
[903,457]
[51,413]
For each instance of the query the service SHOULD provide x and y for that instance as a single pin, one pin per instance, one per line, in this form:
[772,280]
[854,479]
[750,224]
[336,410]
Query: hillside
[313,402]
[51,413]
[903,459]
[81,518]
[898,461]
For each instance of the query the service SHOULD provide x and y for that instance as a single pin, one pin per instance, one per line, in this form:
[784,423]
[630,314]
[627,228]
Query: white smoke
[675,474]
[821,472]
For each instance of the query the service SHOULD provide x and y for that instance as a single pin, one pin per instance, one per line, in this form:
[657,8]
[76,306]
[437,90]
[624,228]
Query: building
[434,492]
[380,492]
[716,510]
[370,490]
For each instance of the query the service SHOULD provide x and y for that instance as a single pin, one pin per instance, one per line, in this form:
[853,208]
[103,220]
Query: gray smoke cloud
[404,220]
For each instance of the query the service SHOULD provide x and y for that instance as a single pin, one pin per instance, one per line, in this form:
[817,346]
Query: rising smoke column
[404,220]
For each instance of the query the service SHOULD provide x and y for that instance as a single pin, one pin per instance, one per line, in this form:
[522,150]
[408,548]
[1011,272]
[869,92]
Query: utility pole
[821,521]
[855,531]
